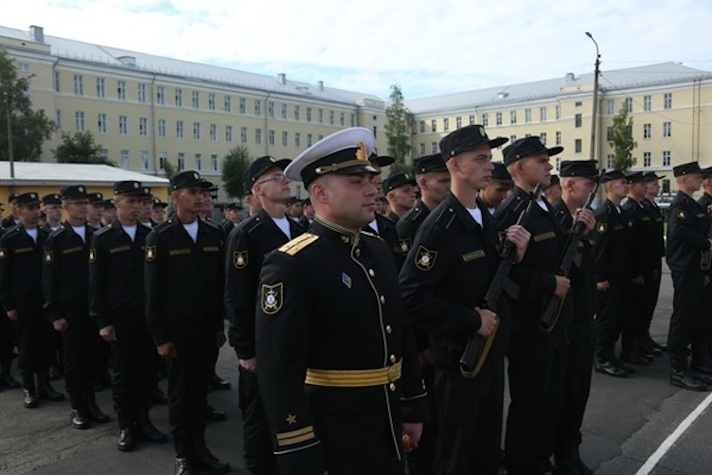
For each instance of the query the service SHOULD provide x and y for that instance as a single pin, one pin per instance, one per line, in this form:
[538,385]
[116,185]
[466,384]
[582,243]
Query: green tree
[399,121]
[80,148]
[233,168]
[169,169]
[622,140]
[30,128]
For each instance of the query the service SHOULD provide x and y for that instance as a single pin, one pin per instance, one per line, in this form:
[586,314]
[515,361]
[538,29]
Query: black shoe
[648,348]
[686,379]
[213,414]
[703,366]
[46,391]
[31,400]
[158,397]
[611,369]
[97,415]
[127,441]
[705,379]
[7,380]
[211,463]
[634,357]
[659,346]
[625,366]
[182,466]
[218,383]
[79,419]
[146,430]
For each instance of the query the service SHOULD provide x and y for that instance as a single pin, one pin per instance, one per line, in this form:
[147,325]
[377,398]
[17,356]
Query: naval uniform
[446,274]
[703,358]
[656,255]
[246,248]
[387,231]
[337,366]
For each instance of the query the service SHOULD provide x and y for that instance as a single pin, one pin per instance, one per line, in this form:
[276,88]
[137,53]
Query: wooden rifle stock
[478,347]
[552,309]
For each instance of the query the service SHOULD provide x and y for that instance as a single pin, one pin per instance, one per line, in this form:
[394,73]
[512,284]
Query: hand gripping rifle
[552,309]
[478,347]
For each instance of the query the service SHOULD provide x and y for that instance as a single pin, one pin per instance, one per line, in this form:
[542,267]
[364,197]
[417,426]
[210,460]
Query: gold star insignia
[291,419]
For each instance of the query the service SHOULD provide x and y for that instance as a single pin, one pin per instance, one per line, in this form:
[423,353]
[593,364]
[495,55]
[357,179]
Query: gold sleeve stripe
[294,433]
[298,243]
[286,439]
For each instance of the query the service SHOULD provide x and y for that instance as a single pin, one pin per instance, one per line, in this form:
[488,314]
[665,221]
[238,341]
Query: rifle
[552,309]
[478,347]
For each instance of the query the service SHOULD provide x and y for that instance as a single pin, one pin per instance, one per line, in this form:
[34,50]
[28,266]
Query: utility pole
[594,115]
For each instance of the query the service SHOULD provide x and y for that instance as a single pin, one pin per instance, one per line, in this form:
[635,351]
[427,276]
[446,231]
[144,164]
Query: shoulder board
[252,224]
[103,230]
[445,217]
[387,219]
[12,231]
[370,234]
[210,223]
[57,231]
[414,214]
[298,243]
[163,226]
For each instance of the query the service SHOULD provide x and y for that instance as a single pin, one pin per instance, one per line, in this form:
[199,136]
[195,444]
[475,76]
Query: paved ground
[626,422]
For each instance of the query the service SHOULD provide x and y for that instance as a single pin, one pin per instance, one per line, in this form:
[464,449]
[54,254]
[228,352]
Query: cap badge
[361,152]
[271,298]
[482,131]
[196,176]
[135,184]
[81,189]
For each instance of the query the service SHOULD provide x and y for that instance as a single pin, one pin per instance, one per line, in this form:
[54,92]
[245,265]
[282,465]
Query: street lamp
[595,98]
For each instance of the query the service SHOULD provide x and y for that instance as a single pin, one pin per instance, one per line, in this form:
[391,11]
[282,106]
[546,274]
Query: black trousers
[34,335]
[652,293]
[421,460]
[132,358]
[189,374]
[7,341]
[609,314]
[470,420]
[256,443]
[80,348]
[634,318]
[685,324]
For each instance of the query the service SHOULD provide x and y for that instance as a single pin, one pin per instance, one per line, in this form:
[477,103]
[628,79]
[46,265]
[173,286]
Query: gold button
[383,299]
[393,358]
[357,252]
[392,387]
[371,272]
[389,330]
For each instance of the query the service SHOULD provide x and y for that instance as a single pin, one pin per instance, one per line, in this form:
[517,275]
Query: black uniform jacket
[245,250]
[408,225]
[642,260]
[446,275]
[329,300]
[65,271]
[115,271]
[20,265]
[656,214]
[183,280]
[613,238]
[687,234]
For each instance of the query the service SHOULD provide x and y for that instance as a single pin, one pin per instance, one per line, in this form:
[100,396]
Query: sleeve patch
[239,259]
[271,300]
[601,228]
[680,214]
[425,258]
[48,257]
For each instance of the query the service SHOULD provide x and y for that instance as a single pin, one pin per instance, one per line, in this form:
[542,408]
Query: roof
[42,173]
[136,61]
[642,76]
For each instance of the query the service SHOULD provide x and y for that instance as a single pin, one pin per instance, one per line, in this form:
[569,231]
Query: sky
[429,47]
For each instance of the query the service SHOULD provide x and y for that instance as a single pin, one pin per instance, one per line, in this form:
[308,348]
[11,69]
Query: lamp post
[595,98]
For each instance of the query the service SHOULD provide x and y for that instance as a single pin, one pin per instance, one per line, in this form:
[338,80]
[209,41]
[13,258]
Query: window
[121,90]
[211,101]
[485,120]
[198,162]
[609,160]
[162,127]
[143,126]
[422,126]
[512,138]
[342,119]
[227,104]
[542,136]
[353,120]
[100,87]
[646,159]
[179,98]
[58,118]
[512,117]
[577,146]
[180,133]
[458,122]
[213,163]
[162,159]
[228,133]
[667,129]
[161,95]
[196,100]
[297,139]
[284,111]
[141,93]
[558,164]
[557,112]
[144,160]
[181,161]
[270,109]
[422,148]
[646,103]
[123,125]
[243,105]
[101,124]
[243,134]
[320,116]
[296,112]
[78,84]
[331,117]
[610,107]
[472,120]
[577,120]
[542,114]
[609,134]
[56,83]
[309,140]
[196,131]
[124,159]
[433,147]
[527,116]
[270,137]
[667,100]
[433,125]
[285,139]
[79,121]
[666,158]
[309,114]
[498,118]
[213,132]
[558,138]
[258,136]
[258,107]
[578,104]
[628,104]
[446,125]
[646,131]
[666,186]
